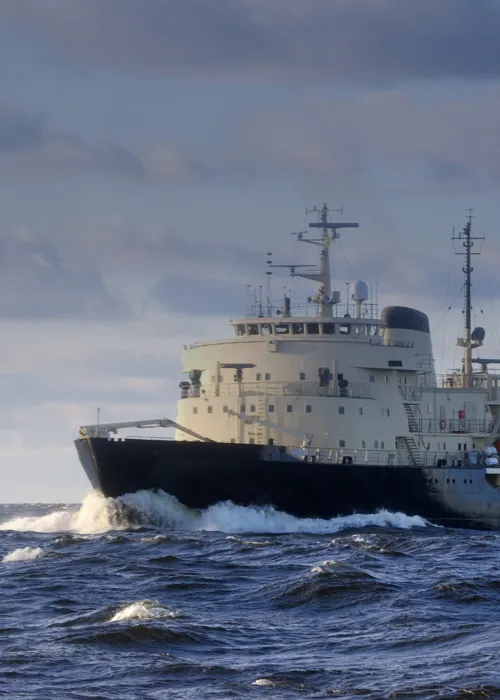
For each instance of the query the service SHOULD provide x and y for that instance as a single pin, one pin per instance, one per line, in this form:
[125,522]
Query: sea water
[140,597]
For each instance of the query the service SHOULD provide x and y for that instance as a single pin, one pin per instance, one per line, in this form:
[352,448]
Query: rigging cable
[495,339]
[490,294]
[448,307]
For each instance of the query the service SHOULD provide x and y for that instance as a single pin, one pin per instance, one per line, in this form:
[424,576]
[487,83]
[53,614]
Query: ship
[322,409]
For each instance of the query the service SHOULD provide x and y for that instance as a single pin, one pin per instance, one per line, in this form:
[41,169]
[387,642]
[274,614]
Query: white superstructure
[356,381]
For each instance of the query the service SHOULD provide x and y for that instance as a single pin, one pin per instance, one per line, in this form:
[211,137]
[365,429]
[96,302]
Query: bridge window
[240,329]
[289,408]
[313,329]
[282,328]
[373,330]
[395,363]
[341,410]
[271,408]
[341,443]
[345,329]
[328,329]
[253,329]
[302,375]
[308,408]
[266,329]
[298,328]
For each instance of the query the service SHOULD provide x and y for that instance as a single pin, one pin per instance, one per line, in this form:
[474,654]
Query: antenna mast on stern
[467,342]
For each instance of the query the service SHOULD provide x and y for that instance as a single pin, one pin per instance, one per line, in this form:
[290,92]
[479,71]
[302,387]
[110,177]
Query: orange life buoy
[442,424]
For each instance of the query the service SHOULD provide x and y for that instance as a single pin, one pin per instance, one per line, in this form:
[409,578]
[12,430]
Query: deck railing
[400,457]
[267,388]
[455,426]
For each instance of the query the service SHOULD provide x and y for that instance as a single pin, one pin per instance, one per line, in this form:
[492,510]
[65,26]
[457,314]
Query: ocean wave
[163,509]
[24,554]
[135,634]
[96,515]
[331,579]
[99,515]
[143,610]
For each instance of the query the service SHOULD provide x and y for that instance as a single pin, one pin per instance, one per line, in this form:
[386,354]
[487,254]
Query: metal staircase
[260,429]
[414,451]
[414,448]
[412,421]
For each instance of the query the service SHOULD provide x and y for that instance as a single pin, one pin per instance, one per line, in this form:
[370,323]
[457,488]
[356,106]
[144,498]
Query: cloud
[200,295]
[371,41]
[31,147]
[450,143]
[35,282]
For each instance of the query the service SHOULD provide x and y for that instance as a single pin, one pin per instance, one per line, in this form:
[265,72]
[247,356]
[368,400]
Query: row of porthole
[436,481]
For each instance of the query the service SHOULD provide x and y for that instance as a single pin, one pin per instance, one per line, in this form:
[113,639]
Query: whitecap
[143,610]
[24,554]
[98,515]
[262,681]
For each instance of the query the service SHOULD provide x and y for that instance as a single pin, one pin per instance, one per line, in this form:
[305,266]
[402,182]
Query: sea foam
[24,554]
[147,508]
[143,610]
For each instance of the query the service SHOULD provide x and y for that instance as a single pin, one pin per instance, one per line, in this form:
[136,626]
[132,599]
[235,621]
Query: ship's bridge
[306,326]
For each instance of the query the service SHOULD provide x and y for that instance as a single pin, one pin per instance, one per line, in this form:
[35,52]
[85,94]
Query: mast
[467,240]
[322,275]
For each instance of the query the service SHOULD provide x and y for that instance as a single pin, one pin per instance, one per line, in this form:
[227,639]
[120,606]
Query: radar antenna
[328,234]
[466,238]
[322,274]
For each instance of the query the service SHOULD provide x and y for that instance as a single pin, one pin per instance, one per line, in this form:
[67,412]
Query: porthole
[453,481]
[436,481]
[447,481]
[465,481]
[470,481]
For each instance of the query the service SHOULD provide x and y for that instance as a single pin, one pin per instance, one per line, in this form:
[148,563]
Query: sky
[152,153]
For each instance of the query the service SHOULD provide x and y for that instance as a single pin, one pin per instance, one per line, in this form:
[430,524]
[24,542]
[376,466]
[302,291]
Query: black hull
[200,474]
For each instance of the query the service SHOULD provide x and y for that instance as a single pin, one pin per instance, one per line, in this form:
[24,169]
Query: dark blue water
[145,599]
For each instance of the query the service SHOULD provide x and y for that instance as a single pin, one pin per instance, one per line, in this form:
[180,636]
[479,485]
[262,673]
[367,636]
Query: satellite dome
[478,334]
[360,291]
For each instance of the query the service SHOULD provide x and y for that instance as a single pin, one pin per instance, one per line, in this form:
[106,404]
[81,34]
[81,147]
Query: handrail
[455,426]
[353,390]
